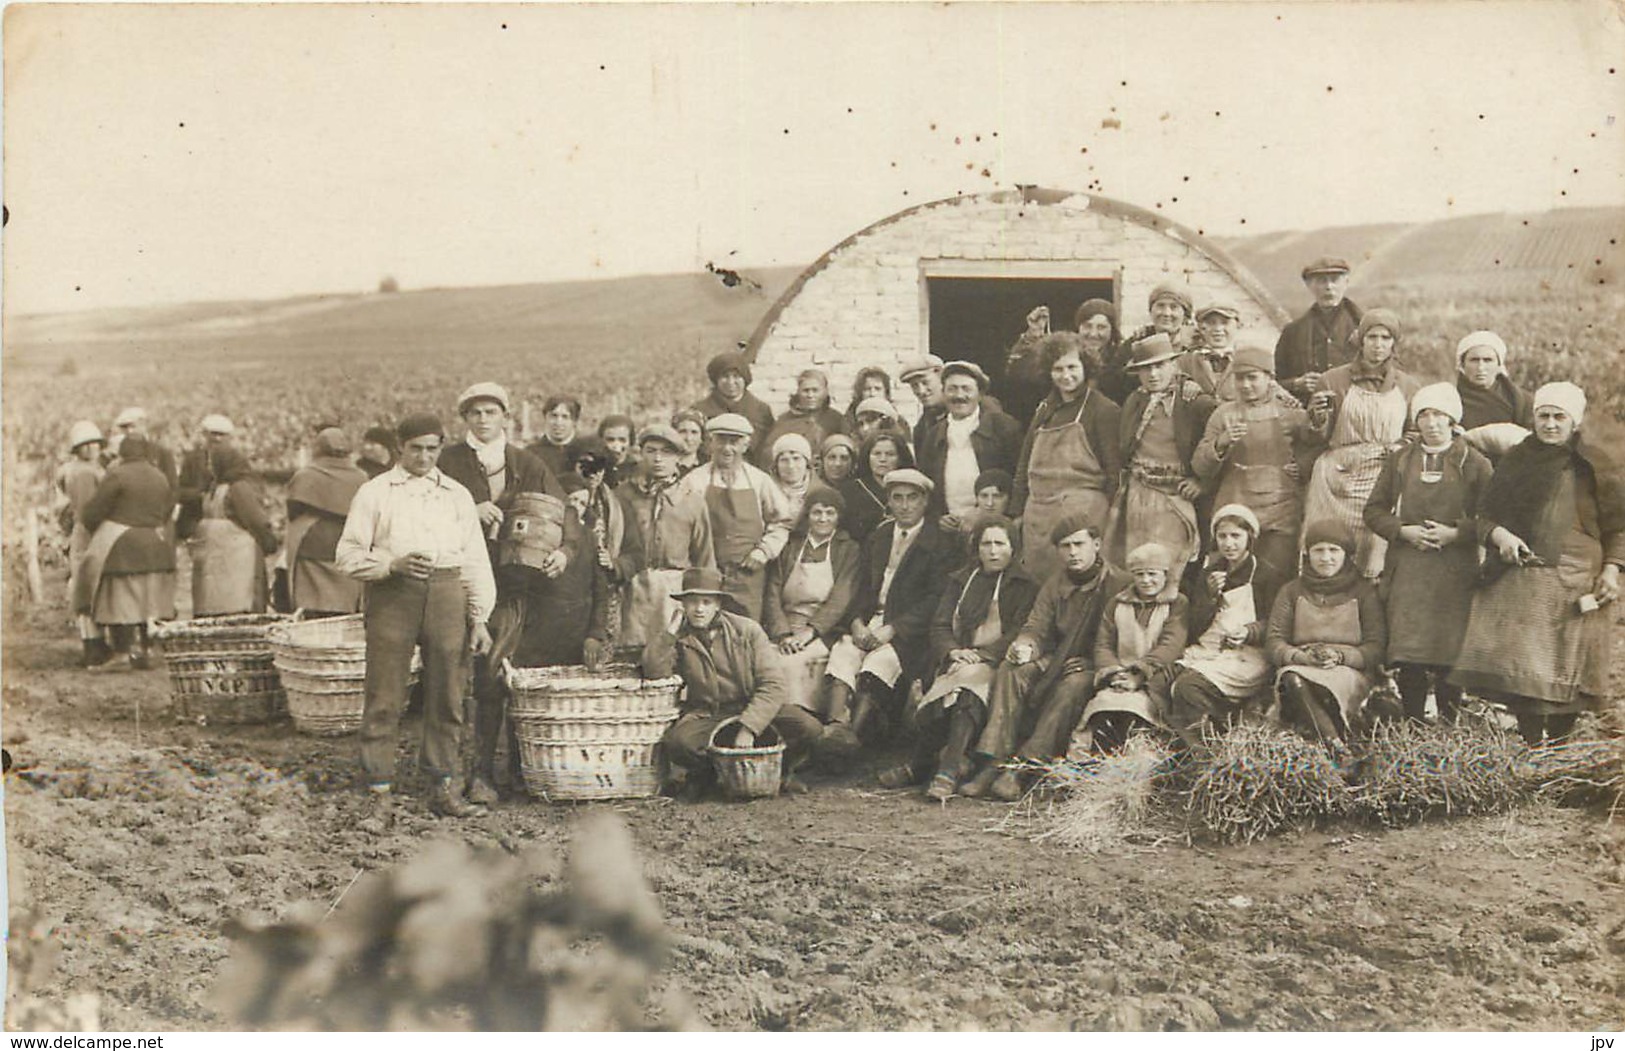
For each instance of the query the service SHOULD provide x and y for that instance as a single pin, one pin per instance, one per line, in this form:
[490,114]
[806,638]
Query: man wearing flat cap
[731,671]
[1325,335]
[729,374]
[133,420]
[414,538]
[496,472]
[1048,674]
[1208,359]
[968,439]
[196,478]
[924,377]
[906,560]
[667,530]
[750,515]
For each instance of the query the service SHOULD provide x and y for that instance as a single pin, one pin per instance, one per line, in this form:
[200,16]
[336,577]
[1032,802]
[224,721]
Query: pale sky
[166,153]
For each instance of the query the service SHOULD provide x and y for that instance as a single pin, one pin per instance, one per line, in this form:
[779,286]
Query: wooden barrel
[531,531]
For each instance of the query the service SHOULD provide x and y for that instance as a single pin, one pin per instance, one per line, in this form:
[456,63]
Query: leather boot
[977,786]
[96,652]
[446,800]
[865,716]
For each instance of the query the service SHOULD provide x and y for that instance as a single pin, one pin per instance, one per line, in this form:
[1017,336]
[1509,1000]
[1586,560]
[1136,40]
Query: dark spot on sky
[849,109]
[1084,149]
[1184,178]
[1481,116]
[1216,113]
[601,68]
[183,124]
[933,125]
[988,175]
[1328,89]
[504,25]
[1174,200]
[1244,222]
[1123,83]
[78,288]
[958,141]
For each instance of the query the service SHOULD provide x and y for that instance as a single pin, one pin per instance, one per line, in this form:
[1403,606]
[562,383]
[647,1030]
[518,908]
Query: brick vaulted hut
[957,278]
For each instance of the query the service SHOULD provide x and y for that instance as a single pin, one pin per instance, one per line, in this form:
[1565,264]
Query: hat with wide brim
[1326,264]
[698,581]
[730,423]
[1151,350]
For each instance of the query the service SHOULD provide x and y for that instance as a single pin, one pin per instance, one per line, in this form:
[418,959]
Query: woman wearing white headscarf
[1425,505]
[1553,521]
[1495,412]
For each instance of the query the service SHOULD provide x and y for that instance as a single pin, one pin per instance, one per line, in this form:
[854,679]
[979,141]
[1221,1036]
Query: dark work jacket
[915,587]
[740,656]
[1017,593]
[996,440]
[814,426]
[194,481]
[524,472]
[556,457]
[134,494]
[1305,346]
[830,619]
[1191,410]
[750,407]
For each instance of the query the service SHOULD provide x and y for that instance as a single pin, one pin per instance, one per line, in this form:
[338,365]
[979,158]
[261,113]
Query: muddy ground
[849,908]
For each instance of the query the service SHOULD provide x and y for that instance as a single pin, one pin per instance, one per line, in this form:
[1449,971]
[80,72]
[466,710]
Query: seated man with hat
[730,670]
[750,515]
[496,472]
[1252,451]
[968,439]
[1048,674]
[196,478]
[907,560]
[1161,423]
[667,529]
[729,373]
[1324,336]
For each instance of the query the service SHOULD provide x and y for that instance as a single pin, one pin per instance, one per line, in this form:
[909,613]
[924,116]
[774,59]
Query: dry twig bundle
[1416,770]
[1261,780]
[1592,768]
[1102,804]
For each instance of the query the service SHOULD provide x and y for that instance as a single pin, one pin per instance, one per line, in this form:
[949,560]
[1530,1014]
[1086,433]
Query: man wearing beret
[1324,336]
[731,671]
[495,472]
[968,439]
[414,538]
[906,560]
[1048,674]
[667,530]
[729,374]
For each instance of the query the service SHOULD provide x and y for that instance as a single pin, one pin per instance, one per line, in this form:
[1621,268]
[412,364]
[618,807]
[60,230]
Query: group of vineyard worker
[1167,531]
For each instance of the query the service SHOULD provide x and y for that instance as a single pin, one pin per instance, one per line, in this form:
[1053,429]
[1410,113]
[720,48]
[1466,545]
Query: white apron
[228,571]
[977,678]
[805,589]
[1133,642]
[1240,672]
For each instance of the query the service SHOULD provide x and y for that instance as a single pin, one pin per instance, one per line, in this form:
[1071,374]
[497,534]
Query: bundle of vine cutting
[1411,771]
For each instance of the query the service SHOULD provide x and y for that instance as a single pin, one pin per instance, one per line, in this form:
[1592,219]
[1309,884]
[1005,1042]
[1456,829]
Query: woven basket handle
[506,674]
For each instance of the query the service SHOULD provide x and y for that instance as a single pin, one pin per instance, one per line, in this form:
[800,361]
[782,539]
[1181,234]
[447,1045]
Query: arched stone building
[957,277]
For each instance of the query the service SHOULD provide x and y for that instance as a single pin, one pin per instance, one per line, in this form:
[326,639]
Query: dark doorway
[979,318]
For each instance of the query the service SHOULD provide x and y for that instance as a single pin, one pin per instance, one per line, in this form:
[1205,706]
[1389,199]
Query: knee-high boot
[965,721]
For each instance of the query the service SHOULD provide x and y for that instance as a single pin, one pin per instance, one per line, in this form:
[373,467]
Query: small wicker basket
[221,669]
[590,735]
[747,773]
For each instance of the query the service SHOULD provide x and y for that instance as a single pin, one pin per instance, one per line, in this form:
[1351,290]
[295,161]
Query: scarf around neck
[493,455]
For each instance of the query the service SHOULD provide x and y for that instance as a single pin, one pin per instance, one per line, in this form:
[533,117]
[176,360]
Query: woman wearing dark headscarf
[729,374]
[1553,521]
[1103,345]
[865,489]
[982,609]
[127,575]
[227,547]
[1495,412]
[1071,457]
[1326,637]
[1363,408]
[810,588]
[319,496]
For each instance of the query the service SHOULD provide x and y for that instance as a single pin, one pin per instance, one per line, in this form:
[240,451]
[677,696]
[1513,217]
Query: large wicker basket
[590,735]
[324,672]
[220,668]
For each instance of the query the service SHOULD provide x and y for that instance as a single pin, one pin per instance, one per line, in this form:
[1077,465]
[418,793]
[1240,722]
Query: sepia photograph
[814,517]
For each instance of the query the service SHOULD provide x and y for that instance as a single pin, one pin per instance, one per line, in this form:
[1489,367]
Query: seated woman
[836,457]
[865,490]
[1540,634]
[1142,633]
[791,467]
[1326,637]
[1225,667]
[810,588]
[1495,412]
[982,609]
[1426,506]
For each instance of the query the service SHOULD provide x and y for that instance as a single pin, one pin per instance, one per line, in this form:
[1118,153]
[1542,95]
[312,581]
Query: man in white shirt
[971,437]
[414,537]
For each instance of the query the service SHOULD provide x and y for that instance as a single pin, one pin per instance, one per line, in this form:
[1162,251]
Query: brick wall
[864,306]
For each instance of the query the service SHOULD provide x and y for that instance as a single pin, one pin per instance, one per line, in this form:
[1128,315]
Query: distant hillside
[1563,250]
